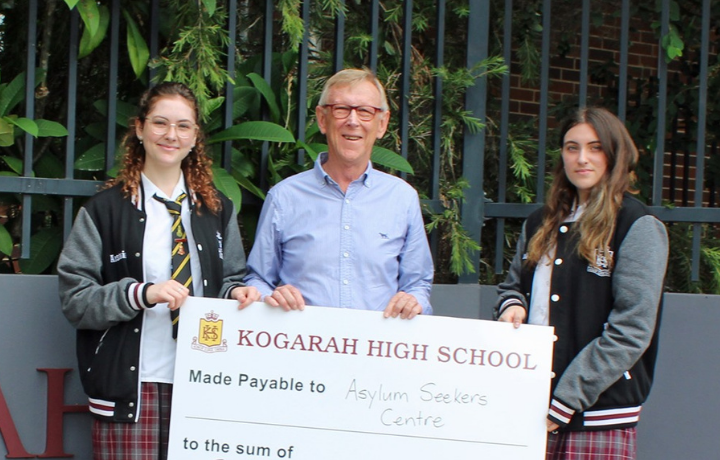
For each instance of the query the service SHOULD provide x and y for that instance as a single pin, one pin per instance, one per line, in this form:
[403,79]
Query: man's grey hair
[351,77]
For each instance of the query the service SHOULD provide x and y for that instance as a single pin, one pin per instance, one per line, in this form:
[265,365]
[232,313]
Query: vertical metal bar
[438,102]
[229,86]
[71,119]
[701,125]
[154,36]
[405,80]
[584,47]
[437,113]
[112,84]
[624,40]
[504,129]
[267,75]
[374,33]
[661,108]
[473,207]
[339,62]
[303,65]
[29,113]
[544,82]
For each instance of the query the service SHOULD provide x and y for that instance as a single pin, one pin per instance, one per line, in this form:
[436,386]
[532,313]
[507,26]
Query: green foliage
[196,56]
[6,241]
[45,245]
[12,127]
[681,51]
[680,262]
[263,129]
[96,19]
[449,223]
[11,95]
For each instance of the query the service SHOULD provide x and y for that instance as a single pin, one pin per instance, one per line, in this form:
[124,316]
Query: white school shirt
[540,301]
[157,347]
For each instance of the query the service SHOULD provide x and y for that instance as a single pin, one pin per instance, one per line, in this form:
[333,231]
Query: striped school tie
[180,253]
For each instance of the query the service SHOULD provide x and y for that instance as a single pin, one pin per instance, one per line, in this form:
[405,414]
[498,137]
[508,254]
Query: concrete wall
[680,419]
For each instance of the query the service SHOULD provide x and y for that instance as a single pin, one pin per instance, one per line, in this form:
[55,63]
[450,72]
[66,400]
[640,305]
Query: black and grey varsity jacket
[606,319]
[103,294]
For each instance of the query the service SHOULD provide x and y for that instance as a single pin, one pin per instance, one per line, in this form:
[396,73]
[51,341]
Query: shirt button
[563,229]
[142,219]
[199,246]
[130,415]
[136,330]
[554,297]
[347,201]
[131,404]
[346,282]
[132,368]
[558,261]
[347,227]
[345,254]
[137,254]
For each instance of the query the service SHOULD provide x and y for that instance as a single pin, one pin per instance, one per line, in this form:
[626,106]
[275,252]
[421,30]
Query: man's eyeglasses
[364,112]
[161,126]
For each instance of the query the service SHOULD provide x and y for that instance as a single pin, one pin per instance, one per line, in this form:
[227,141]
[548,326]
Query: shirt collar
[324,178]
[151,189]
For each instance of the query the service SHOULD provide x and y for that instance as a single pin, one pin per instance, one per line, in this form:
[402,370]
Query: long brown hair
[195,167]
[597,222]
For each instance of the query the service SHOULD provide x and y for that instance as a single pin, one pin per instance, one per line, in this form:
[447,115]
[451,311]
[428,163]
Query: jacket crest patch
[603,263]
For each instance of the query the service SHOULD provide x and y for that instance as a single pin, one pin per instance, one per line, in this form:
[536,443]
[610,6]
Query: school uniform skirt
[593,445]
[145,440]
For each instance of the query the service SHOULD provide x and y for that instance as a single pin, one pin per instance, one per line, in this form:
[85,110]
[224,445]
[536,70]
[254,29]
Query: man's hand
[286,296]
[513,314]
[169,291]
[404,305]
[245,295]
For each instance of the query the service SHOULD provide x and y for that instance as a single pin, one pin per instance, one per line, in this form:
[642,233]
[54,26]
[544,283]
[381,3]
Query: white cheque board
[330,383]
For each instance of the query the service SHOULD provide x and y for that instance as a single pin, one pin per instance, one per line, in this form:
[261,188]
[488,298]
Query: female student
[158,233]
[591,263]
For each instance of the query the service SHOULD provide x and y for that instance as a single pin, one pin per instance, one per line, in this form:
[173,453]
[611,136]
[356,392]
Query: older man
[344,234]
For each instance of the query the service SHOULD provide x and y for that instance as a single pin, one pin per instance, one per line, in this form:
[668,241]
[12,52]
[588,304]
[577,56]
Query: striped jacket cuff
[137,296]
[230,289]
[101,407]
[509,303]
[560,413]
[612,417]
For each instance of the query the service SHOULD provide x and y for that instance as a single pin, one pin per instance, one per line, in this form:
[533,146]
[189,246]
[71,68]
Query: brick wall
[604,56]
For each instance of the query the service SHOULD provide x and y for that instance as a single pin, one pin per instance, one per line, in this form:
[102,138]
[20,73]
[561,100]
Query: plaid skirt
[145,440]
[593,445]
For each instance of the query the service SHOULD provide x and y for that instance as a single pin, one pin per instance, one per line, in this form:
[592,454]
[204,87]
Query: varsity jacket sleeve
[86,302]
[234,264]
[637,288]
[509,291]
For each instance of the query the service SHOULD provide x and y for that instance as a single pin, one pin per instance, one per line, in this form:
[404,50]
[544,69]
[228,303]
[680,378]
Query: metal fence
[482,15]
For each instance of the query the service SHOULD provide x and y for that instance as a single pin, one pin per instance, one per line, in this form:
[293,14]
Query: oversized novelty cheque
[331,383]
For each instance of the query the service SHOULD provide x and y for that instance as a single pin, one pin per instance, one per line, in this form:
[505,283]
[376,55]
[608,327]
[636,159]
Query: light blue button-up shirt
[353,250]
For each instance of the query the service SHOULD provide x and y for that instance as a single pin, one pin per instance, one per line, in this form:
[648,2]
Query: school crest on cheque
[209,338]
